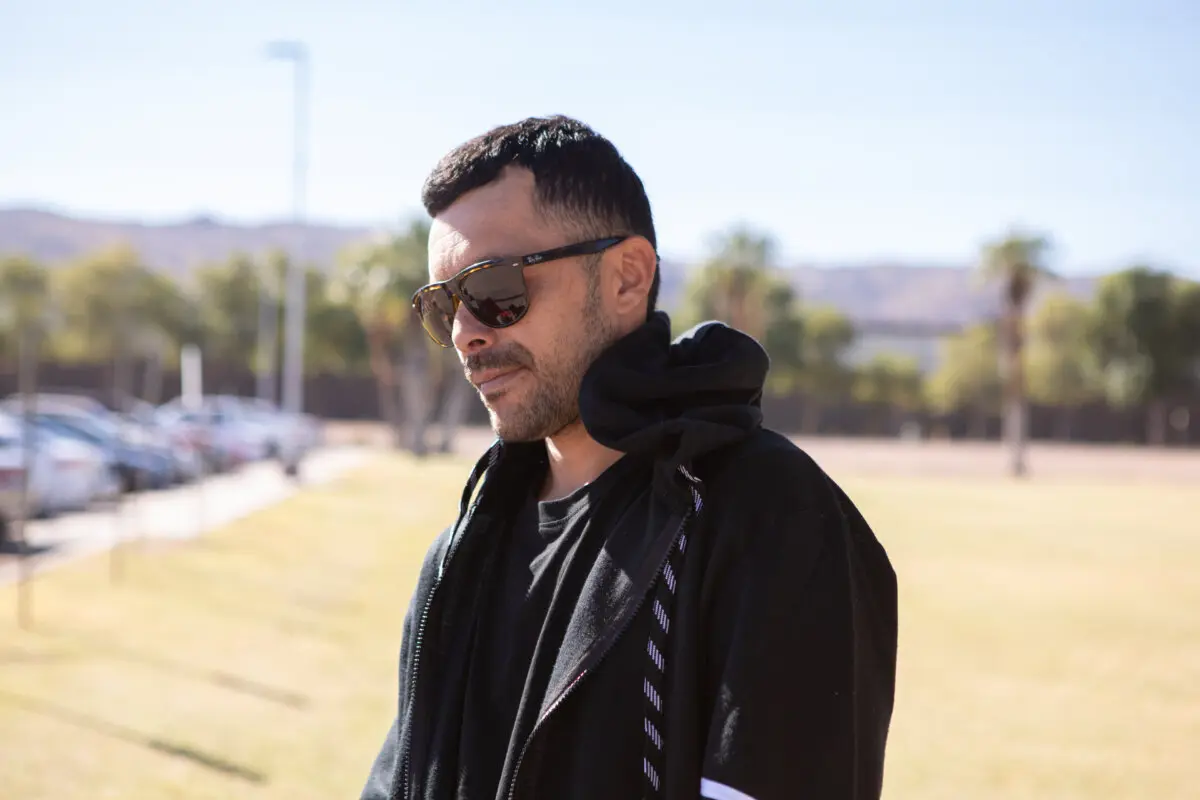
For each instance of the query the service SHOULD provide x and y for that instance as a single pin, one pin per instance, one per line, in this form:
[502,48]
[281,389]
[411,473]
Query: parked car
[64,474]
[12,475]
[182,445]
[140,465]
[287,435]
[239,430]
[221,446]
[68,474]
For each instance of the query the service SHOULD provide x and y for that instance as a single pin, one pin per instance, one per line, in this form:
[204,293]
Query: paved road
[178,513]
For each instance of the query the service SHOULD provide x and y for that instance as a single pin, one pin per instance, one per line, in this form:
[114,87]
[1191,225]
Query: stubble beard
[553,403]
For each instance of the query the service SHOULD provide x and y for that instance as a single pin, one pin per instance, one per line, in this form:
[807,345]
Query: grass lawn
[1049,638]
[1050,645]
[259,662]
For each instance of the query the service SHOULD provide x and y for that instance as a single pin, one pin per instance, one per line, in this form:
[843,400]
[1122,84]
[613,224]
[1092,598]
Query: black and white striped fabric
[654,685]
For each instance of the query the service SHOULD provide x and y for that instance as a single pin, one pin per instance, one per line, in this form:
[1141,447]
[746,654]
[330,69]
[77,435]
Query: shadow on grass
[12,548]
[219,678]
[298,611]
[131,736]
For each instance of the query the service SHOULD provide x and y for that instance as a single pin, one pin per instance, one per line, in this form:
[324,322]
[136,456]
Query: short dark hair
[579,177]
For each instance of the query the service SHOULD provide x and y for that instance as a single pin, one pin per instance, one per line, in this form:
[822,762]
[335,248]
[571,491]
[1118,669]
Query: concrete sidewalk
[179,513]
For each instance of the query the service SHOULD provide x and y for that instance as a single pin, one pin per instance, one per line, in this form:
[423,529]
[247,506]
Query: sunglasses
[494,291]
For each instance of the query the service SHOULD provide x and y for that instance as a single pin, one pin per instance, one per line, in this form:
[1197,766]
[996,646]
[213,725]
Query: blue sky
[909,131]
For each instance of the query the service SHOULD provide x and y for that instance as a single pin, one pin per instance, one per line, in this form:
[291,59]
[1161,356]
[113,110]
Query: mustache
[509,357]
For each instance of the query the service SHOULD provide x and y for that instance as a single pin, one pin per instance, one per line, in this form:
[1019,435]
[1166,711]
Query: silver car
[12,471]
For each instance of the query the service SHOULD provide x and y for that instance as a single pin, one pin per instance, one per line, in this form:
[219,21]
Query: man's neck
[576,459]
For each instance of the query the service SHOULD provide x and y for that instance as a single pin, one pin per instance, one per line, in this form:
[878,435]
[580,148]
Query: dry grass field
[1050,635]
[887,457]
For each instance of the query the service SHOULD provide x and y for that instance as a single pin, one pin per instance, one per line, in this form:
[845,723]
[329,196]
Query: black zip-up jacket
[745,604]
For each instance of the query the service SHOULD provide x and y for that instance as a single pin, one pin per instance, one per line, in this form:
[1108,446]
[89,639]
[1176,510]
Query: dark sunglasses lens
[437,314]
[496,295]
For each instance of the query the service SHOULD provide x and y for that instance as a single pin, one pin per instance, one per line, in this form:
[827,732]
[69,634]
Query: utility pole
[268,332]
[294,313]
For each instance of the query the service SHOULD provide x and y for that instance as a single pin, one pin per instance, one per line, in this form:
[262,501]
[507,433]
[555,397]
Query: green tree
[1185,309]
[1062,369]
[968,377]
[890,382]
[25,303]
[826,376]
[1016,262]
[1145,338]
[784,337]
[116,308]
[229,294]
[166,319]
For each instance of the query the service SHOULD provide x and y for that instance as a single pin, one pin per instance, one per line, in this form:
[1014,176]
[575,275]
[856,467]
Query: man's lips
[494,381]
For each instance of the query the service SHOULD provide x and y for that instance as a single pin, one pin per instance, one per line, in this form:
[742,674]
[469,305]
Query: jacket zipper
[512,786]
[406,743]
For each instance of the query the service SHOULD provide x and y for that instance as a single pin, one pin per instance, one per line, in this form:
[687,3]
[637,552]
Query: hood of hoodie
[675,400]
[648,396]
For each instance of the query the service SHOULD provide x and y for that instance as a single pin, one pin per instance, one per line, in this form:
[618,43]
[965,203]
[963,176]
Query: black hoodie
[746,605]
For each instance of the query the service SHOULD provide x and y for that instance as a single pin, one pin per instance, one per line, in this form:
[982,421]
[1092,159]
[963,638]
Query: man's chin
[516,440]
[502,415]
[512,422]
[512,431]
[510,434]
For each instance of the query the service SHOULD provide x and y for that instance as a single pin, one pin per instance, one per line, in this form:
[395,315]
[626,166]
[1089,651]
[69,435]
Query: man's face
[529,373]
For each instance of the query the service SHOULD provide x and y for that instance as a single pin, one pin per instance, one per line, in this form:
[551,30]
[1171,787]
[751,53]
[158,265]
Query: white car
[221,443]
[69,475]
[242,429]
[65,475]
[12,474]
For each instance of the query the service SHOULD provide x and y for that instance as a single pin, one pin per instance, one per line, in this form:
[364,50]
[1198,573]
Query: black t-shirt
[546,552]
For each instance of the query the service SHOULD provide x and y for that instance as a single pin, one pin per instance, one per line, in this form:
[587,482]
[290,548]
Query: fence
[355,397]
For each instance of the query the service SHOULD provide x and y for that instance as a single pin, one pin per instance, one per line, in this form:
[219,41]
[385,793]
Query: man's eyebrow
[448,269]
[492,257]
[485,259]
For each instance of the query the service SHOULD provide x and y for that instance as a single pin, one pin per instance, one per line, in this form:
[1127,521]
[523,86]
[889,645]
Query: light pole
[268,331]
[294,312]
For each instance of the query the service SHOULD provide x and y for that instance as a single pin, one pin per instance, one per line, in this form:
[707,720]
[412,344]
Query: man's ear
[633,264]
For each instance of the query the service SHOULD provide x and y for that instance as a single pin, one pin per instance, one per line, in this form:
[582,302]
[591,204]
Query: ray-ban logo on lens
[536,257]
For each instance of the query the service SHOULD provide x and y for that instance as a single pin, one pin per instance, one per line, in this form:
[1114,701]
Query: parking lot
[176,513]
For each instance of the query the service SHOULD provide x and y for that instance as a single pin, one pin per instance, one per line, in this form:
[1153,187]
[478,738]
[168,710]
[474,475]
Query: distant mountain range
[173,247]
[887,293]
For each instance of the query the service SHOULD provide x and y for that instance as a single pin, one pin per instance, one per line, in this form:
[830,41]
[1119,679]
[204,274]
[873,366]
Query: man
[646,594]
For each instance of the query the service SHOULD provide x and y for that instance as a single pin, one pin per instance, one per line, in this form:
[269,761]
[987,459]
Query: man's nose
[469,334]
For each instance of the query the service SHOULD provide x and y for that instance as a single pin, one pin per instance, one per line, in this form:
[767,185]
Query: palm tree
[738,280]
[366,282]
[378,279]
[1017,263]
[739,285]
